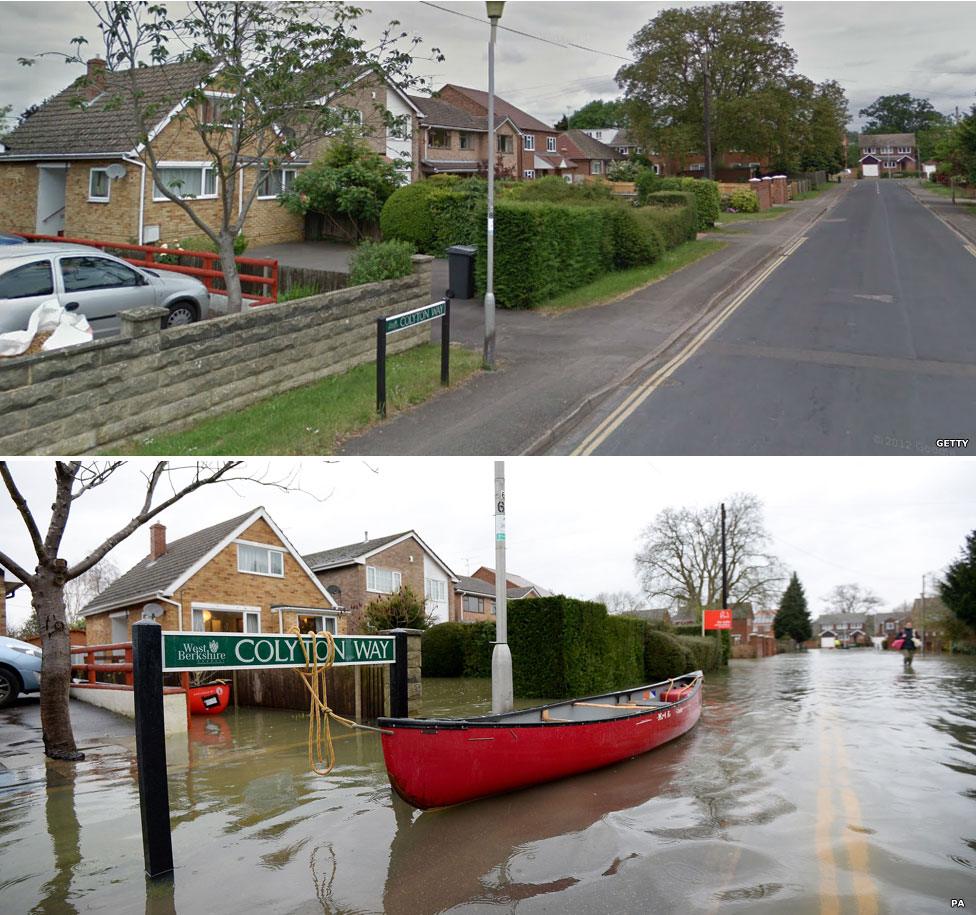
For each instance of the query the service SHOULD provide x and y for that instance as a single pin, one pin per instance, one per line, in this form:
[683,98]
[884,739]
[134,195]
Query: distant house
[848,628]
[742,620]
[10,586]
[762,621]
[592,158]
[241,575]
[474,599]
[356,574]
[650,615]
[887,153]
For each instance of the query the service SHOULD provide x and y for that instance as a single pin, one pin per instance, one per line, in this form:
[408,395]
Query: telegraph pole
[725,570]
[502,699]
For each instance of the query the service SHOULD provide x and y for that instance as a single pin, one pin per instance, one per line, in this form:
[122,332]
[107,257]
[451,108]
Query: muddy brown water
[826,782]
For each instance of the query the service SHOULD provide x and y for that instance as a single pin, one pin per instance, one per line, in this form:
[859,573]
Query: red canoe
[435,762]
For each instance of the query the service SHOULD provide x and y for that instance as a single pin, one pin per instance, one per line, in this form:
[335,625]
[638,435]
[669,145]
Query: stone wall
[99,397]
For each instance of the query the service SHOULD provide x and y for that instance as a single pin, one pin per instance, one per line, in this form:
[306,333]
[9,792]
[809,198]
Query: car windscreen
[27,280]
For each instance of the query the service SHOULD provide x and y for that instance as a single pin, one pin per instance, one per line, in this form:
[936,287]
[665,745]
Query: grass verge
[613,286]
[314,419]
[725,219]
[944,191]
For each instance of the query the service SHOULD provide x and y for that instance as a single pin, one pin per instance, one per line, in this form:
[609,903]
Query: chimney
[95,78]
[365,536]
[157,541]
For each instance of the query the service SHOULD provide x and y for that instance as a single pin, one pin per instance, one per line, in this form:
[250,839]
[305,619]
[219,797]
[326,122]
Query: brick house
[241,575]
[474,599]
[887,153]
[742,621]
[73,167]
[762,621]
[591,157]
[356,574]
[849,628]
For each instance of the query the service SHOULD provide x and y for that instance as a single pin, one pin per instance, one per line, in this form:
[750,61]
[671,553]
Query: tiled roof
[107,124]
[520,118]
[343,555]
[444,114]
[149,576]
[469,585]
[865,140]
[589,147]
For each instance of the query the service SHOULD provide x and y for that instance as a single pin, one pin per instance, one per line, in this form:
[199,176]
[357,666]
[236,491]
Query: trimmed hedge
[477,648]
[635,242]
[665,656]
[708,198]
[563,647]
[675,225]
[553,189]
[707,652]
[457,650]
[407,216]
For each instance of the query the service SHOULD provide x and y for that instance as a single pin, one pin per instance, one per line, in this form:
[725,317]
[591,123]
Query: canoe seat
[545,716]
[609,705]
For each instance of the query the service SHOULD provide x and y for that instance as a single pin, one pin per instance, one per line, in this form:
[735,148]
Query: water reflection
[64,831]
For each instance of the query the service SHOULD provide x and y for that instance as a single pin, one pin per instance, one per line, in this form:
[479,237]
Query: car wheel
[181,313]
[9,688]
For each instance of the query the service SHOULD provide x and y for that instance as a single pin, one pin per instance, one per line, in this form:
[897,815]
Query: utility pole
[502,698]
[707,113]
[922,621]
[725,573]
[488,356]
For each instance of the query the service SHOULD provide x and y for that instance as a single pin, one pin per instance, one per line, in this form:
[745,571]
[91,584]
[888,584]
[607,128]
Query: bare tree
[680,556]
[620,601]
[82,590]
[165,485]
[852,598]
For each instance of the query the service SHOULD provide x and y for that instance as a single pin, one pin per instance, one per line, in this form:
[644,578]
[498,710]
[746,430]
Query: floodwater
[823,782]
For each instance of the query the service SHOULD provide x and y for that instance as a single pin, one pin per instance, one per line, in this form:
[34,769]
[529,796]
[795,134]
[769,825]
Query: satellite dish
[115,170]
[152,611]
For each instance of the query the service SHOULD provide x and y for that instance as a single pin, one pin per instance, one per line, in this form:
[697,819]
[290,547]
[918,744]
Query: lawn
[725,219]
[316,418]
[944,191]
[616,285]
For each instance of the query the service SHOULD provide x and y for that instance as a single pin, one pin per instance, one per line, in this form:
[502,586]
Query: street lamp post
[502,699]
[494,9]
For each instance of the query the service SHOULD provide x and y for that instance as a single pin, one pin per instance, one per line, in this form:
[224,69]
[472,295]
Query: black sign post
[403,321]
[147,690]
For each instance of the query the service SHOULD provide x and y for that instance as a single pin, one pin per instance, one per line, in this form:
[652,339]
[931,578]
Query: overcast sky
[573,523]
[871,48]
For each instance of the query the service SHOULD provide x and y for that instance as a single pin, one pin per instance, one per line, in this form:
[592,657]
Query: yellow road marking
[613,422]
[829,901]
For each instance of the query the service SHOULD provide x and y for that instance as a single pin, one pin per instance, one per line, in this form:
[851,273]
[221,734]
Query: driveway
[311,255]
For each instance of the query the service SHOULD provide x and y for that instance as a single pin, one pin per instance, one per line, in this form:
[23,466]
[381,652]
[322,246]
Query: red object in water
[896,644]
[211,699]
[435,762]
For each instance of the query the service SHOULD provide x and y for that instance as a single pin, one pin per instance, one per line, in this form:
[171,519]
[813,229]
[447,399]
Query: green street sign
[415,317]
[260,651]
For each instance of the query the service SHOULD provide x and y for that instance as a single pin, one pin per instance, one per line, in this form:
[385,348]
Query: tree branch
[21,503]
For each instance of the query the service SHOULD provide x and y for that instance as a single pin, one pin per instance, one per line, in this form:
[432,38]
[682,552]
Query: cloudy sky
[573,523]
[871,48]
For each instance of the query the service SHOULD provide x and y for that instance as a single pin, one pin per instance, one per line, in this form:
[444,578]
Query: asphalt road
[861,341]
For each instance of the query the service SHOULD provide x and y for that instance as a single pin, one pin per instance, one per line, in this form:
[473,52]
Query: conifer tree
[792,620]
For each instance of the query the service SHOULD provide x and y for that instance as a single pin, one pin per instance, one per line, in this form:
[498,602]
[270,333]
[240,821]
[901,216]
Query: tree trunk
[48,602]
[232,279]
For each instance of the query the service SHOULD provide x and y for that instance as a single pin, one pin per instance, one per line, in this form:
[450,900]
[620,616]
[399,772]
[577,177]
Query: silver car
[20,669]
[94,284]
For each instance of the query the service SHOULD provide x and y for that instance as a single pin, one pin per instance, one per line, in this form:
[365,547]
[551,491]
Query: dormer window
[214,110]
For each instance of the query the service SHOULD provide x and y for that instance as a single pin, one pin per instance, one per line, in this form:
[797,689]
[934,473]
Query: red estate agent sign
[718,619]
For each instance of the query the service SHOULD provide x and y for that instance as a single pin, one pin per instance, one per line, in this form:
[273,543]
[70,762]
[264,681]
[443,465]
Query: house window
[98,185]
[886,149]
[550,144]
[596,167]
[889,625]
[529,173]
[465,141]
[260,560]
[696,167]
[435,589]
[214,620]
[504,142]
[597,134]
[120,627]
[28,280]
[316,622]
[472,604]
[213,111]
[186,181]
[382,581]
[904,149]
[656,169]
[622,150]
[275,182]
[528,141]
[890,163]
[439,139]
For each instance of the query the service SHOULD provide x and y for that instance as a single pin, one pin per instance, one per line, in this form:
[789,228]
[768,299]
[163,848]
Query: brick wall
[99,396]
[116,220]
[18,196]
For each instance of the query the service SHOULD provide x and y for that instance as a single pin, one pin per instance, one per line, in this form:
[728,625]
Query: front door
[50,199]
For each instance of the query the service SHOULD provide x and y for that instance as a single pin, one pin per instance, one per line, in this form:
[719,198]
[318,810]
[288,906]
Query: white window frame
[904,149]
[285,181]
[395,577]
[596,166]
[550,144]
[215,98]
[204,167]
[108,186]
[529,174]
[441,584]
[528,142]
[330,622]
[466,139]
[269,550]
[251,615]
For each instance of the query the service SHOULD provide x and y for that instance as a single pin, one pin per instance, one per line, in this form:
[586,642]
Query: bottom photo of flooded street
[423,685]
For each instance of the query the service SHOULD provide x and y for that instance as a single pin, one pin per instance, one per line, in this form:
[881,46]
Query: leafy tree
[697,73]
[792,620]
[349,180]
[956,150]
[596,114]
[852,598]
[958,586]
[901,113]
[680,556]
[279,67]
[5,125]
[401,609]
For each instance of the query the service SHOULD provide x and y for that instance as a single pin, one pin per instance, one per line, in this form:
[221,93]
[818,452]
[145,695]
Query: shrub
[707,197]
[406,214]
[376,261]
[553,189]
[204,243]
[301,291]
[706,651]
[646,183]
[442,650]
[743,200]
[665,656]
[675,225]
[402,608]
[633,242]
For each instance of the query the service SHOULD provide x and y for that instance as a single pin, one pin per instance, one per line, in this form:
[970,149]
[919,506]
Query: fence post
[147,669]
[381,366]
[399,707]
[446,341]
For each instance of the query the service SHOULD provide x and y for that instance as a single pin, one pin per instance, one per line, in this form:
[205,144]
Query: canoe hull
[439,762]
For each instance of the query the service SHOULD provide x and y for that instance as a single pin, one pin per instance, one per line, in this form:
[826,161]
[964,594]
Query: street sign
[718,619]
[261,651]
[415,317]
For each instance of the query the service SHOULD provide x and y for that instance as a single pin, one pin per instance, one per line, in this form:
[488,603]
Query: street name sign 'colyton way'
[415,317]
[260,651]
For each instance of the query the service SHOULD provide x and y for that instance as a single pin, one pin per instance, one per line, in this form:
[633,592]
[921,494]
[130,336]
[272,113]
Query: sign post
[501,656]
[403,321]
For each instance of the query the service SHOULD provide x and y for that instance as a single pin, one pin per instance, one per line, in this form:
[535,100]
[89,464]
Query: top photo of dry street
[516,228]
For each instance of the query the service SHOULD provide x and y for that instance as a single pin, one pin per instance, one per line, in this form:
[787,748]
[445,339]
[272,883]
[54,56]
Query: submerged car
[20,669]
[92,283]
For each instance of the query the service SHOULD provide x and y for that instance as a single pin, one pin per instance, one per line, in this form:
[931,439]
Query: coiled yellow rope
[321,752]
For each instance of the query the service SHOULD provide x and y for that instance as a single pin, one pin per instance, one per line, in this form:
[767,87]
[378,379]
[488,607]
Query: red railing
[207,274]
[107,662]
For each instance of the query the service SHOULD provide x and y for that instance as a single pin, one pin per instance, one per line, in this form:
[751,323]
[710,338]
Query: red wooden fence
[267,279]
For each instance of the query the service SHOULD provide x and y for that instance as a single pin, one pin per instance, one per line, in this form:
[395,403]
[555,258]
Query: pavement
[554,370]
[860,342]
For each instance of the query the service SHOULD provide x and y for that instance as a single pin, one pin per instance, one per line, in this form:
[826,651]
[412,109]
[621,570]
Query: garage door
[870,171]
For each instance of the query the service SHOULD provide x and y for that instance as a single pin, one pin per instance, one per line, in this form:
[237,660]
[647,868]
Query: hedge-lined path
[554,369]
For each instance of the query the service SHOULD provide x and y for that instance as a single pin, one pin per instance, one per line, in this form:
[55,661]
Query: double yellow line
[620,415]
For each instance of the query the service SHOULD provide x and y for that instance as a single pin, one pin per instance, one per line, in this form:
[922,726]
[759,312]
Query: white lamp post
[494,9]
[502,698]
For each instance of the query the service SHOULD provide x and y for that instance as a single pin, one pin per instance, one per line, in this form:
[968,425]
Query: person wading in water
[908,647]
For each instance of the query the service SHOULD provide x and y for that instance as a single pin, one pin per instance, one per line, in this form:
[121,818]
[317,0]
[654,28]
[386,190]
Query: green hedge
[741,200]
[675,225]
[665,656]
[706,651]
[707,196]
[477,648]
[553,189]
[442,650]
[563,647]
[407,215]
[635,241]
